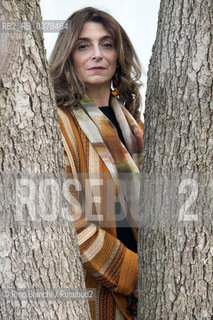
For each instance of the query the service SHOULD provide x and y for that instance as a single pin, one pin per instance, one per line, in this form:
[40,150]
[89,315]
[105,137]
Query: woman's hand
[135,291]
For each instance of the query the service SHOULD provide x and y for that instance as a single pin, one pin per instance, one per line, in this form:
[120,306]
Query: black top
[109,113]
[124,232]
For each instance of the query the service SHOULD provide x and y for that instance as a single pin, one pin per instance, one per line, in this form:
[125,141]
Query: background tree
[176,238]
[33,253]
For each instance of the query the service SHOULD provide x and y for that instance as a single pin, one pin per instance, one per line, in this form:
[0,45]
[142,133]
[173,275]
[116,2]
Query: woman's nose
[96,54]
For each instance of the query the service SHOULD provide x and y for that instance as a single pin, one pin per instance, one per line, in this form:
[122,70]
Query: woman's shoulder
[141,124]
[131,119]
[65,116]
[68,124]
[64,112]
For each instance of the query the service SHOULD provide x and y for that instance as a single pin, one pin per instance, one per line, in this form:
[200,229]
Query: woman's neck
[99,96]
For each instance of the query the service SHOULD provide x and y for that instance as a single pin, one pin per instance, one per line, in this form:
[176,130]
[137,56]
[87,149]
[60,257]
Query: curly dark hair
[69,89]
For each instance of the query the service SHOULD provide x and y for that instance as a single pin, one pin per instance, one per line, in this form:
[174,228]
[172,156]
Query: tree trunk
[41,275]
[176,233]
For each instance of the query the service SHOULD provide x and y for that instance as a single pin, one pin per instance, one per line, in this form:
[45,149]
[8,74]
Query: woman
[102,137]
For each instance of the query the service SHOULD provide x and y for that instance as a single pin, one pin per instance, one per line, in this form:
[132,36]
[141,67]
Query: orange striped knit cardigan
[109,266]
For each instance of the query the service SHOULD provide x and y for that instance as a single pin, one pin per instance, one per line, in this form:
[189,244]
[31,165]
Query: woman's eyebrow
[89,39]
[83,39]
[106,37]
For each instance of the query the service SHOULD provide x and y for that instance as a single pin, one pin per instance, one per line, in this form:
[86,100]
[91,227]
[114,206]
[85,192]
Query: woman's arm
[104,256]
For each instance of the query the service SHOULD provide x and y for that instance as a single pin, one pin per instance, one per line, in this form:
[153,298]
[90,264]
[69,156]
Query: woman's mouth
[97,68]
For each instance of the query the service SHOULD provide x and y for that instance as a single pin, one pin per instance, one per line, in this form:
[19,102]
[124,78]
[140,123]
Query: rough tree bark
[36,249]
[176,234]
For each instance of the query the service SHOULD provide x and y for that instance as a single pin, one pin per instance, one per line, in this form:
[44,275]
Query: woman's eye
[107,45]
[82,47]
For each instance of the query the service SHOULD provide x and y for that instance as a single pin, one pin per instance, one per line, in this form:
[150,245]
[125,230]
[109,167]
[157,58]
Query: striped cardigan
[109,266]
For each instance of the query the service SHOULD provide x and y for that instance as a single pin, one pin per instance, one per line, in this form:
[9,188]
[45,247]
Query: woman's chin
[98,84]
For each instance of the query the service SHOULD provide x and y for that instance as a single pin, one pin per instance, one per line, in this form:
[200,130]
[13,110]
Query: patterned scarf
[122,163]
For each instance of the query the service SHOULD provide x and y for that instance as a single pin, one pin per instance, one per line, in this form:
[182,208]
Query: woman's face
[95,56]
